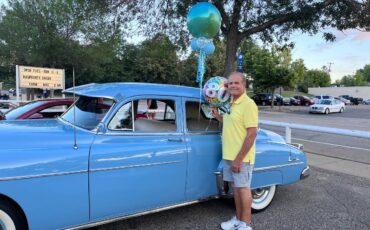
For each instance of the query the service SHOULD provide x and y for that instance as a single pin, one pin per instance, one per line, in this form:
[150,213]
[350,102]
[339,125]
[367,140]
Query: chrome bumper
[305,172]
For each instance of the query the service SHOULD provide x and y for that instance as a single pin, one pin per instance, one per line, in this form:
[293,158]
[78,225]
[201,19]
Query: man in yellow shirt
[238,149]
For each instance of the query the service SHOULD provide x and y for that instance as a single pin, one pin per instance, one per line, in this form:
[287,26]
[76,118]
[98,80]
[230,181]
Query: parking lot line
[336,145]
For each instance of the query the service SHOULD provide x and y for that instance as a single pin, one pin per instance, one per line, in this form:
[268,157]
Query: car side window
[122,120]
[200,119]
[146,115]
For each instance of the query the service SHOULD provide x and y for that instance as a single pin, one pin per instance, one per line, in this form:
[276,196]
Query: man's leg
[245,197]
[238,202]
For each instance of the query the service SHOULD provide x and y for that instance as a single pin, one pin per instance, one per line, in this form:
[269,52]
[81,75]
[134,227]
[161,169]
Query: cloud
[361,36]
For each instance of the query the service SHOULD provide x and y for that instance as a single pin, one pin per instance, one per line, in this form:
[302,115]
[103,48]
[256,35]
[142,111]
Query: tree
[298,71]
[365,72]
[269,69]
[158,61]
[59,34]
[269,20]
[353,80]
[314,78]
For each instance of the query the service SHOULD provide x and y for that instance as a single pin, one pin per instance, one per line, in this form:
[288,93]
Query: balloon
[209,48]
[215,92]
[194,44]
[204,20]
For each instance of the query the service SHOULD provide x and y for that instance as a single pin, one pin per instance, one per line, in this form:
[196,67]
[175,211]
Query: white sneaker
[243,226]
[230,224]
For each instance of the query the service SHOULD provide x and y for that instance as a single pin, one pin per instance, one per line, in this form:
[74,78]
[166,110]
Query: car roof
[119,90]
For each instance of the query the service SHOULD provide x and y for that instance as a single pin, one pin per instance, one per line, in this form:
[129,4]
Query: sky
[350,51]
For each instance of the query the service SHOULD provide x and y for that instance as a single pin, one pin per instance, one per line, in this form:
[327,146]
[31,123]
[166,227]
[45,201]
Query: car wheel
[263,103]
[341,110]
[327,111]
[262,197]
[10,217]
[307,104]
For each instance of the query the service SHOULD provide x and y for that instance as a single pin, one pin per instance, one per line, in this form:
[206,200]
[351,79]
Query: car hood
[264,135]
[43,133]
[35,148]
[319,105]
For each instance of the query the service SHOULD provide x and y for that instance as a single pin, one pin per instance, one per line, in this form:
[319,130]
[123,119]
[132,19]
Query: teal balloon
[204,20]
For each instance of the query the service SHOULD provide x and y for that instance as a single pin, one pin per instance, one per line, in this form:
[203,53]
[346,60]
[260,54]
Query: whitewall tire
[11,218]
[262,197]
[6,222]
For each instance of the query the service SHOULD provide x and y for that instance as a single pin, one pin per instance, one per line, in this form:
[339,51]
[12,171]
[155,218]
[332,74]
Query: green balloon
[204,20]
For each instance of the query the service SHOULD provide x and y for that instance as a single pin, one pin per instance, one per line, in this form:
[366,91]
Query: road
[345,154]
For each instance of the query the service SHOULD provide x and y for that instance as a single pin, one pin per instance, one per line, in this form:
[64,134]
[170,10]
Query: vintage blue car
[106,159]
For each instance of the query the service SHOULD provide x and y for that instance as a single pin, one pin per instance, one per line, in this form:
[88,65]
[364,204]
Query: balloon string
[200,75]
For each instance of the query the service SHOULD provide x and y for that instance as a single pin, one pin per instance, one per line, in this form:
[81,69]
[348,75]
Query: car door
[203,141]
[136,163]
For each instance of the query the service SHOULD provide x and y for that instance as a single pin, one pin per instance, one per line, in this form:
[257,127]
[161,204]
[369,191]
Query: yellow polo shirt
[243,115]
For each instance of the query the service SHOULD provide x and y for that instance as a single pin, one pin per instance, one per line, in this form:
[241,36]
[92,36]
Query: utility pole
[330,63]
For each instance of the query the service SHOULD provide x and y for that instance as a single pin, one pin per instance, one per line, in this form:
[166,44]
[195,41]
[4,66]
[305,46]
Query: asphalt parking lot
[325,200]
[328,199]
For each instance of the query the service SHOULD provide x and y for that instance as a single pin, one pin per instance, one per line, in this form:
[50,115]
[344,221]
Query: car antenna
[74,112]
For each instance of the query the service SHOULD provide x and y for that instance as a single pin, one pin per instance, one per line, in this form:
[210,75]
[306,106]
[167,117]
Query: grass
[294,93]
[285,93]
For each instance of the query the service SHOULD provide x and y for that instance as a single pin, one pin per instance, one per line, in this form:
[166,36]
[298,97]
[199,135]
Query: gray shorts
[242,179]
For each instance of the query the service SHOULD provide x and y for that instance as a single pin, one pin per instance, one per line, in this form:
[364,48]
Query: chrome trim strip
[277,166]
[202,132]
[107,221]
[134,166]
[42,175]
[131,133]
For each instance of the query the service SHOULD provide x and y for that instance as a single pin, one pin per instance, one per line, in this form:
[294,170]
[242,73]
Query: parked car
[266,99]
[366,102]
[39,109]
[6,105]
[322,97]
[354,100]
[286,101]
[304,100]
[100,162]
[294,101]
[328,106]
[345,101]
[4,96]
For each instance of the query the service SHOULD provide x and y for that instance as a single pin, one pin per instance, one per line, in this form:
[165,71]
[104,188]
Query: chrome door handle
[175,139]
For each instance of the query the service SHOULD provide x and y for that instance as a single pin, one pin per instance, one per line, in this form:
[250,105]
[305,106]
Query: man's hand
[235,166]
[215,112]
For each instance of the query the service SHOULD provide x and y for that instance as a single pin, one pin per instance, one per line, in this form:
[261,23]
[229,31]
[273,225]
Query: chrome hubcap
[260,194]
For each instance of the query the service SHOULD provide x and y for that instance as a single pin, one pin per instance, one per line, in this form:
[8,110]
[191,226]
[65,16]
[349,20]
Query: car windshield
[325,102]
[325,97]
[89,111]
[16,112]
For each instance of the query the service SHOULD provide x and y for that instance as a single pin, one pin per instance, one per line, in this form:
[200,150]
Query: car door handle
[175,139]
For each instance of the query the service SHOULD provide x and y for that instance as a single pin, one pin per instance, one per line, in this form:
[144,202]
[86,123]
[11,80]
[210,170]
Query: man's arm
[247,145]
